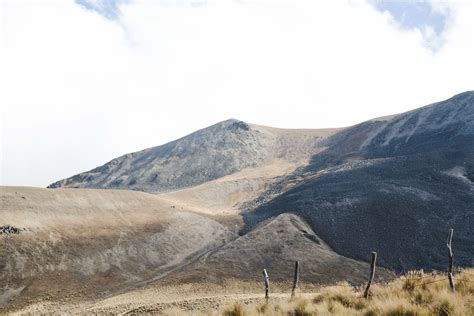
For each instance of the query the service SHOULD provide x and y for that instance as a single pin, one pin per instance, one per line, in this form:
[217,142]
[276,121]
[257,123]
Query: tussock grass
[413,294]
[236,310]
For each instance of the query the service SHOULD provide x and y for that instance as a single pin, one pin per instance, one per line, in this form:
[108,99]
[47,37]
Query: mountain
[394,186]
[208,154]
[406,177]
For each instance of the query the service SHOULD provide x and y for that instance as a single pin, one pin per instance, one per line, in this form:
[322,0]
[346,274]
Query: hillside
[76,245]
[86,243]
[405,180]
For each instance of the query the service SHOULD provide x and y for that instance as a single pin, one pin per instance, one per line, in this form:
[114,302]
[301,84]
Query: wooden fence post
[450,265]
[296,278]
[265,275]
[372,273]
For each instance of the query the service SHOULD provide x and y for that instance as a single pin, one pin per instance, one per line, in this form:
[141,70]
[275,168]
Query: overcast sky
[84,81]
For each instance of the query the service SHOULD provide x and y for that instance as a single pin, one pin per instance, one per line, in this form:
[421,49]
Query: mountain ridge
[207,154]
[237,145]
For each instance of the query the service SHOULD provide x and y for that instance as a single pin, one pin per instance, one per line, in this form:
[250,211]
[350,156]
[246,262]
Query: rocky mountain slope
[394,186]
[208,154]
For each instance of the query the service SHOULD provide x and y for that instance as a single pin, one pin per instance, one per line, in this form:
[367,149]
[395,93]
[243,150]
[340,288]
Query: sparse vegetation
[411,294]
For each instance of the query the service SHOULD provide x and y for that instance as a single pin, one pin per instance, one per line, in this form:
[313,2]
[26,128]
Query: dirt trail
[191,305]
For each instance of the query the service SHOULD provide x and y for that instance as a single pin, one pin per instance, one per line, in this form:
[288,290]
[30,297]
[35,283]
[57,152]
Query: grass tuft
[300,309]
[445,308]
[401,311]
[236,310]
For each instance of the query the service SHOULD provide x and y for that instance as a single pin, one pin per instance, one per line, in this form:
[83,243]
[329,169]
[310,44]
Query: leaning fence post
[296,278]
[265,275]
[372,273]
[450,266]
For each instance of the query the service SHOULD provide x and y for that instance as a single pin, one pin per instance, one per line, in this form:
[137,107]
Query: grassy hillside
[411,294]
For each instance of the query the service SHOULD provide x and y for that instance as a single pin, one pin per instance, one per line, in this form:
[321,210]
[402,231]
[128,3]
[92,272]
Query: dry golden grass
[411,294]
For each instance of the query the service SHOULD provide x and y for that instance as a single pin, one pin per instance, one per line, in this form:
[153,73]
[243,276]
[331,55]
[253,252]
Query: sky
[85,81]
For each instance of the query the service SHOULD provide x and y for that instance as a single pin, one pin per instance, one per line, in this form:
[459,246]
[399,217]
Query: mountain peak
[234,124]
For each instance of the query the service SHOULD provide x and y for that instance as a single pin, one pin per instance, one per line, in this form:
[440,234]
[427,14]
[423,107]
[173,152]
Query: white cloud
[78,89]
[431,18]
